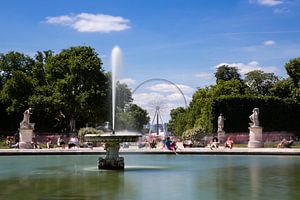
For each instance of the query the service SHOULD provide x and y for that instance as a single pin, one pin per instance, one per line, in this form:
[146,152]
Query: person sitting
[290,142]
[73,142]
[214,143]
[153,144]
[8,141]
[229,143]
[49,143]
[60,142]
[286,143]
[170,145]
[34,144]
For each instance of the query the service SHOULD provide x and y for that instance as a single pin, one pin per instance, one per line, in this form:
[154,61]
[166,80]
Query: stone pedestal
[221,136]
[25,138]
[255,137]
[112,161]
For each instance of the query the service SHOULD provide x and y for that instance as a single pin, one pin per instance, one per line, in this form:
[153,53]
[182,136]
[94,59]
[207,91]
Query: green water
[151,177]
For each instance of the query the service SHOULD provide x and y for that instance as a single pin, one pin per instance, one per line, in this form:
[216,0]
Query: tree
[231,87]
[293,70]
[283,88]
[174,114]
[16,81]
[260,82]
[133,118]
[226,73]
[75,87]
[123,95]
[16,91]
[14,61]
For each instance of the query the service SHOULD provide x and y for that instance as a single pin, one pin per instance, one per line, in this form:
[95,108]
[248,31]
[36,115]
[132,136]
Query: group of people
[73,142]
[215,143]
[13,142]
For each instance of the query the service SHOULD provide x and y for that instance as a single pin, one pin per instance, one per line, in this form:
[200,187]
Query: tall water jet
[112,139]
[116,61]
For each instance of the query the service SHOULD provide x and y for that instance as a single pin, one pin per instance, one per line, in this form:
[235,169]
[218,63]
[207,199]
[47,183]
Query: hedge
[275,114]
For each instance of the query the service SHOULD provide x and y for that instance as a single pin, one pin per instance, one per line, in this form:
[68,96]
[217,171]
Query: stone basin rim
[117,137]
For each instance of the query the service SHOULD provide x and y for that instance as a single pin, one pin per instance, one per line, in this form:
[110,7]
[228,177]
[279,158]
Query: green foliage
[283,88]
[236,98]
[16,81]
[178,121]
[226,73]
[132,118]
[88,130]
[14,62]
[16,91]
[274,113]
[174,114]
[123,95]
[260,82]
[62,87]
[195,133]
[75,86]
[293,70]
[230,87]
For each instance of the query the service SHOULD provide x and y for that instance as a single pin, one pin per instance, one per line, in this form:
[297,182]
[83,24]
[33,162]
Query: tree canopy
[65,90]
[226,73]
[260,82]
[235,97]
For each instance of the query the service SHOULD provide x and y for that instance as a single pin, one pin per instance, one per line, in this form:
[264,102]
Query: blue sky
[179,40]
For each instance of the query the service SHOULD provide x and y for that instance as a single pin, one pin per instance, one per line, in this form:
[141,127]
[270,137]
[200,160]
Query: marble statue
[221,123]
[25,123]
[254,118]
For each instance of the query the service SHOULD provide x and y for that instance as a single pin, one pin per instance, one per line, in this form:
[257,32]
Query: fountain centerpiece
[112,139]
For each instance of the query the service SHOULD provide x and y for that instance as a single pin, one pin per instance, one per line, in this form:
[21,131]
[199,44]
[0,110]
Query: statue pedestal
[255,137]
[221,136]
[112,161]
[25,138]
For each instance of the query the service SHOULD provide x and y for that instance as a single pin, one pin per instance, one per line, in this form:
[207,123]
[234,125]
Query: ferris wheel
[158,106]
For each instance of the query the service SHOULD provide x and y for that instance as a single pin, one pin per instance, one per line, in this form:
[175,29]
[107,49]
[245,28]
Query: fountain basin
[117,137]
[112,160]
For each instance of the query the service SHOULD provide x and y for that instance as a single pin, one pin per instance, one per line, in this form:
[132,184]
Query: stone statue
[220,123]
[25,123]
[254,117]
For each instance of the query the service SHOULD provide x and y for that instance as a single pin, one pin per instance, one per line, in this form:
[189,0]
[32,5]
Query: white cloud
[269,42]
[64,19]
[128,81]
[163,87]
[86,22]
[204,75]
[144,98]
[245,68]
[166,102]
[281,10]
[268,2]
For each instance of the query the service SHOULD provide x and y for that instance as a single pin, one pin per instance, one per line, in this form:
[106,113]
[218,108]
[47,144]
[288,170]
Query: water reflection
[148,177]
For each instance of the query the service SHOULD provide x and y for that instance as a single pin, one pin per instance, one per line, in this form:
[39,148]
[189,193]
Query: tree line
[235,97]
[67,89]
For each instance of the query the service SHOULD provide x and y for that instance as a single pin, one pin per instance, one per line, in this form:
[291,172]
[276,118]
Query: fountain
[112,140]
